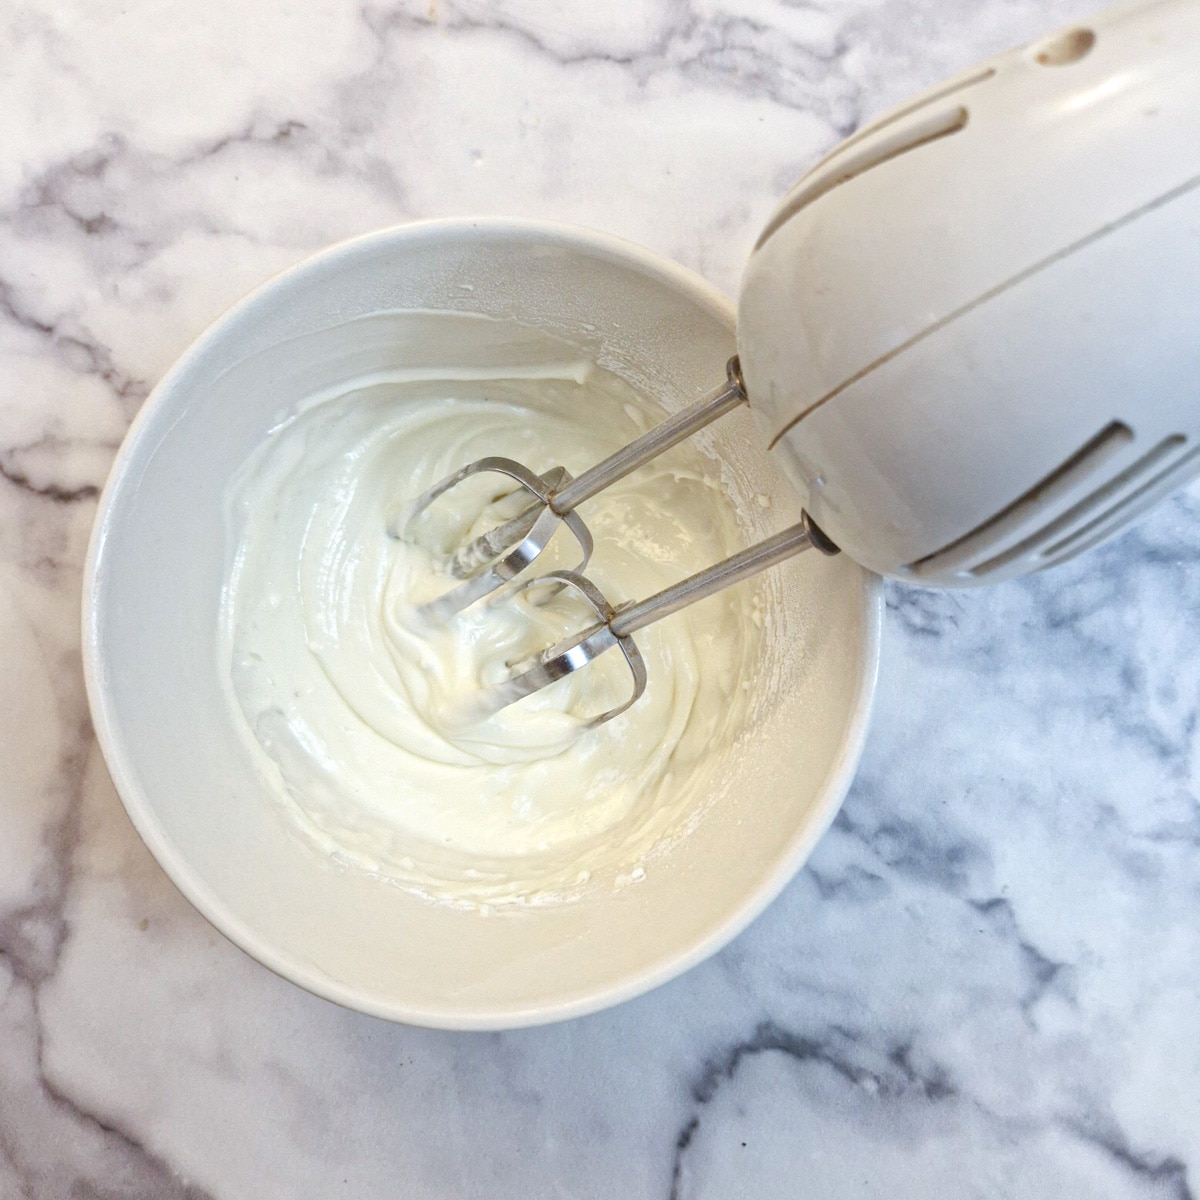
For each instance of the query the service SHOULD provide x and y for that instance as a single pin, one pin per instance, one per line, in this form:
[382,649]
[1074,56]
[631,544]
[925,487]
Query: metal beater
[495,559]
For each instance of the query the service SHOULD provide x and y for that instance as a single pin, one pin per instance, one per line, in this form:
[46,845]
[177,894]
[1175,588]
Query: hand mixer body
[972,332]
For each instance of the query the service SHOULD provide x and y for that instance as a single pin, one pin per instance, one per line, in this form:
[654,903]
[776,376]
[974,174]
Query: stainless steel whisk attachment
[496,558]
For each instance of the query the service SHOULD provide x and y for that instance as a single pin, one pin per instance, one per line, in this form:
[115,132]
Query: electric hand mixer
[971,334]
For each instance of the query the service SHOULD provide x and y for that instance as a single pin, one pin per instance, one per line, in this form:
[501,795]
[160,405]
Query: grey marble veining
[987,981]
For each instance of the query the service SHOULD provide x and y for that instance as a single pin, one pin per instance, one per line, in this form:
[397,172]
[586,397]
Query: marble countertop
[985,984]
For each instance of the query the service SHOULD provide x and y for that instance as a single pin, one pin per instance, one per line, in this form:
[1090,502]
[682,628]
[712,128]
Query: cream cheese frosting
[345,692]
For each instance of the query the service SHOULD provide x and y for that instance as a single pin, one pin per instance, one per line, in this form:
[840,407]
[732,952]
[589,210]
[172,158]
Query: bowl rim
[173,860]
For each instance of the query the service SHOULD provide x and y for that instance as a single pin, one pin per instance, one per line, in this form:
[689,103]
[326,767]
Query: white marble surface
[986,982]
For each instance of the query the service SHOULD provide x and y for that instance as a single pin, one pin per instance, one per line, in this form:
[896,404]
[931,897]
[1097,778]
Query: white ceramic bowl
[151,595]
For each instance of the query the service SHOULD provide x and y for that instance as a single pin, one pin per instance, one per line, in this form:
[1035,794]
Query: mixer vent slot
[965,552]
[898,114]
[1129,505]
[1114,500]
[925,128]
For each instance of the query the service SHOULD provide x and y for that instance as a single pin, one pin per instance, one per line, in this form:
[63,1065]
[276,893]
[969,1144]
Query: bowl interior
[158,694]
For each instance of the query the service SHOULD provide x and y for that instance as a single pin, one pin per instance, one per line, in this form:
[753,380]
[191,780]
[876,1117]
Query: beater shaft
[630,618]
[656,441]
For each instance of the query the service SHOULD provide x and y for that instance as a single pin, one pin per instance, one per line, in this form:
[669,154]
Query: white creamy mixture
[347,694]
